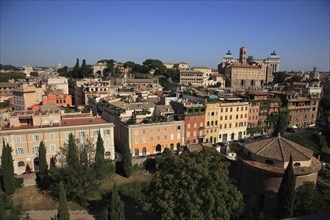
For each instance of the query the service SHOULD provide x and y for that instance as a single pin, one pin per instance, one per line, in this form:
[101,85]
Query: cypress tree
[8,169]
[72,158]
[116,210]
[63,211]
[127,160]
[83,71]
[42,175]
[75,70]
[286,192]
[2,208]
[99,157]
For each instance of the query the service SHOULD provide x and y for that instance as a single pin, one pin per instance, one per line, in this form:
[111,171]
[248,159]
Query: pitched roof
[279,148]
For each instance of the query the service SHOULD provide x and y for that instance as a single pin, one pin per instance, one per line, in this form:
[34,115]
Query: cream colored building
[90,87]
[28,128]
[99,67]
[58,84]
[195,78]
[26,96]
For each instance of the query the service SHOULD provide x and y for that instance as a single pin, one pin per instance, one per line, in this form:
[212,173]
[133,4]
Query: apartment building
[194,117]
[191,77]
[28,128]
[212,120]
[60,100]
[58,84]
[90,87]
[233,119]
[262,106]
[26,96]
[6,90]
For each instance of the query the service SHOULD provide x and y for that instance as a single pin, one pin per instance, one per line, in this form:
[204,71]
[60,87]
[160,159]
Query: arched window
[136,152]
[107,154]
[269,162]
[172,146]
[21,164]
[158,148]
[144,151]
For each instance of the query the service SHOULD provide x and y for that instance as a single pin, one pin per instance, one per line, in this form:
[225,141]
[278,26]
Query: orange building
[61,100]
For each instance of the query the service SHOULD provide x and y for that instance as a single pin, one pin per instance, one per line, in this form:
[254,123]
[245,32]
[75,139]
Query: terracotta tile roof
[83,121]
[279,148]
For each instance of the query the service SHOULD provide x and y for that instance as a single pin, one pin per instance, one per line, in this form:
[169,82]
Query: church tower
[242,55]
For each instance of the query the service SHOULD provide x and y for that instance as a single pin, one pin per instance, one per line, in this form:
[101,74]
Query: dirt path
[48,214]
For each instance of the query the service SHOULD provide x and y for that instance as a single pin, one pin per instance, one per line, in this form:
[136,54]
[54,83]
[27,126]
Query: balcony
[201,128]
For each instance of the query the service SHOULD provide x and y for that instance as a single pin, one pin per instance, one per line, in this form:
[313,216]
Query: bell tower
[242,55]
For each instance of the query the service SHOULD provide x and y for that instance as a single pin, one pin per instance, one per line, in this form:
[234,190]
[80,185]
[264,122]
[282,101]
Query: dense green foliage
[280,77]
[286,193]
[8,211]
[35,73]
[193,186]
[309,200]
[324,109]
[116,209]
[63,211]
[282,122]
[7,169]
[42,174]
[4,77]
[78,174]
[75,70]
[127,160]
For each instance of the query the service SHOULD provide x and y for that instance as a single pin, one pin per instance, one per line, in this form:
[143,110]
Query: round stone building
[262,166]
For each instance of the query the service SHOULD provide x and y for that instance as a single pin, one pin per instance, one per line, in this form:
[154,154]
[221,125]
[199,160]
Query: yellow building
[28,128]
[212,121]
[233,120]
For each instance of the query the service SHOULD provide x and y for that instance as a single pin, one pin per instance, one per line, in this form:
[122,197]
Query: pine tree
[286,193]
[63,211]
[116,209]
[8,169]
[42,175]
[99,158]
[75,70]
[127,160]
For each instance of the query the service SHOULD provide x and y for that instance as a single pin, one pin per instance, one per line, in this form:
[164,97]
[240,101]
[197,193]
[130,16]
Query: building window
[201,124]
[136,140]
[21,164]
[172,136]
[82,134]
[96,132]
[151,138]
[144,131]
[51,136]
[195,125]
[188,125]
[178,136]
[151,130]
[19,151]
[136,152]
[107,132]
[165,137]
[179,127]
[35,137]
[188,133]
[144,140]
[35,149]
[144,151]
[107,142]
[67,134]
[107,154]
[52,147]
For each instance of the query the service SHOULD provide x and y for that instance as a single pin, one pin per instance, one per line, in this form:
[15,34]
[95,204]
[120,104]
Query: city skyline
[196,32]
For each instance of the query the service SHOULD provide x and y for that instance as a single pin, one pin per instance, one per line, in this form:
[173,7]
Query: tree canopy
[193,186]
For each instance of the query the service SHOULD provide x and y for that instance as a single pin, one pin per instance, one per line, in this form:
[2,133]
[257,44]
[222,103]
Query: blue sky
[44,33]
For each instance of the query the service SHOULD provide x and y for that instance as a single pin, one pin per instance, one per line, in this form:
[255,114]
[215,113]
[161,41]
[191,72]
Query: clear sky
[44,33]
